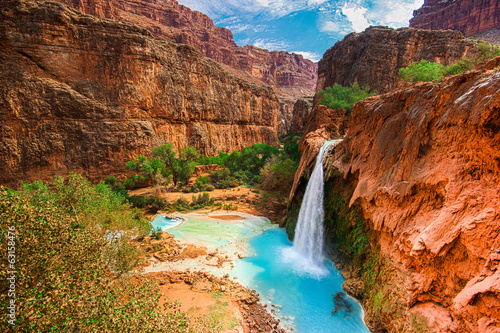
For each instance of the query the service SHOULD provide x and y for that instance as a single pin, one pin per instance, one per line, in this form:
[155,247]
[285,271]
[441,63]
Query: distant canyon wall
[375,56]
[471,17]
[79,93]
[291,74]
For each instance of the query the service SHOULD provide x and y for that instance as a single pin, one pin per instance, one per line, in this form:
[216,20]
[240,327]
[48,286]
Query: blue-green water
[304,301]
[165,223]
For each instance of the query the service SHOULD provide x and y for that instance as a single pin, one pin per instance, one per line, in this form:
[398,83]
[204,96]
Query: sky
[307,27]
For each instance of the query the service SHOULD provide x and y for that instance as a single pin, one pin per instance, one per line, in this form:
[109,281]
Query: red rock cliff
[467,16]
[168,20]
[79,93]
[424,163]
[374,56]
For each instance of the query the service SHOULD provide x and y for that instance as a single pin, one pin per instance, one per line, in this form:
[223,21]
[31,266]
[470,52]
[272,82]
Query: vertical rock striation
[79,93]
[470,17]
[170,21]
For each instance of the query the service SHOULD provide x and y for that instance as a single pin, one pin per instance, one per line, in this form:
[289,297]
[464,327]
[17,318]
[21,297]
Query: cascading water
[307,250]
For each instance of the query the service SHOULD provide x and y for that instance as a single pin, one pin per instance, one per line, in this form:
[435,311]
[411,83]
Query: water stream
[307,251]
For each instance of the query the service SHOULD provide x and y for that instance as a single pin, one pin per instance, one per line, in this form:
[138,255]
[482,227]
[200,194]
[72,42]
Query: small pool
[163,222]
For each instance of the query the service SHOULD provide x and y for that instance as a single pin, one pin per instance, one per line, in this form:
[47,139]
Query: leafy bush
[135,181]
[238,168]
[277,175]
[138,201]
[338,97]
[157,233]
[486,51]
[63,261]
[430,71]
[201,184]
[110,180]
[202,200]
[222,179]
[153,204]
[421,71]
[459,67]
[182,203]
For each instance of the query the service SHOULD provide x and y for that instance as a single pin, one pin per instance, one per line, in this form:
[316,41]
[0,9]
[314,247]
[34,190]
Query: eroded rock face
[170,21]
[375,56]
[301,110]
[427,164]
[79,93]
[467,16]
[322,124]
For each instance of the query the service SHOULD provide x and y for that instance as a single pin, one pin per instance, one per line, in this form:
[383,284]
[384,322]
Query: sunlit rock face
[425,165]
[79,93]
[291,74]
[467,16]
[375,56]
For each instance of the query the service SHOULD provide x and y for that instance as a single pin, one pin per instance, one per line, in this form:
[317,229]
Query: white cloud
[316,2]
[329,26]
[239,27]
[314,57]
[356,15]
[394,13]
[273,8]
[271,44]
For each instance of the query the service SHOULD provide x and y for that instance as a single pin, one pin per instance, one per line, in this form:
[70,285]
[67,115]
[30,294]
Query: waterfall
[307,250]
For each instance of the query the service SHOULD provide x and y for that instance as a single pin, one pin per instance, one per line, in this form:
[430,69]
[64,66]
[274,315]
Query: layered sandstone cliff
[422,165]
[301,110]
[471,17]
[79,93]
[170,21]
[375,56]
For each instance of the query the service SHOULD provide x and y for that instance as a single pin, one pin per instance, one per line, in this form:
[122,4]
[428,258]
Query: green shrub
[430,71]
[487,51]
[459,67]
[182,203]
[203,199]
[110,180]
[135,181]
[65,258]
[277,175]
[153,204]
[338,97]
[138,201]
[421,71]
[229,206]
[157,233]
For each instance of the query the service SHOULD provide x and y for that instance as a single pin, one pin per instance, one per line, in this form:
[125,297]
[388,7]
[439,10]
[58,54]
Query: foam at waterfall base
[303,265]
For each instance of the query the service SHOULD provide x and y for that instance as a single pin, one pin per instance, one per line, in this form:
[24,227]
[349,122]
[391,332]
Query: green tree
[421,71]
[166,154]
[338,97]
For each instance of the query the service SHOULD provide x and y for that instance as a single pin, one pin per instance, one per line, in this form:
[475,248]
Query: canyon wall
[291,74]
[413,204]
[301,110]
[375,56]
[79,93]
[471,17]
